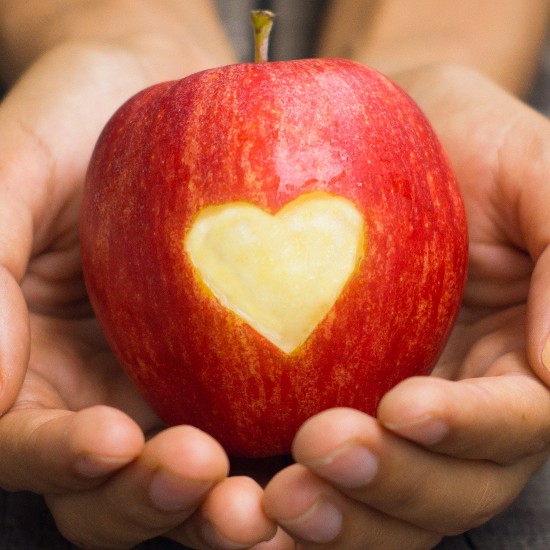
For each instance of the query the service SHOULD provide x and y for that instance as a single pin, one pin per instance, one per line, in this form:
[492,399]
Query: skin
[391,36]
[478,428]
[61,389]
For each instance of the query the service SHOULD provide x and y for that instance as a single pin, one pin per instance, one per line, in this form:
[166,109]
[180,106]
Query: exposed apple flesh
[281,273]
[275,145]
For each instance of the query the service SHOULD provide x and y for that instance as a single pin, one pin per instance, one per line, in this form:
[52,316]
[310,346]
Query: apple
[263,241]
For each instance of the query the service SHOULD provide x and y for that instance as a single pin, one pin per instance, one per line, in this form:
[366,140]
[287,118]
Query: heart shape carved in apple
[281,273]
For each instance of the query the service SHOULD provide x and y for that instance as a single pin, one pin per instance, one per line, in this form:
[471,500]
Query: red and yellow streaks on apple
[268,137]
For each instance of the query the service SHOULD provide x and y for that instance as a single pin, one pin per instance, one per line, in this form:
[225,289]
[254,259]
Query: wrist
[168,37]
[158,58]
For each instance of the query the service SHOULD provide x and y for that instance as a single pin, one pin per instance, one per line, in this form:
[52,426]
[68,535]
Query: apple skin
[265,133]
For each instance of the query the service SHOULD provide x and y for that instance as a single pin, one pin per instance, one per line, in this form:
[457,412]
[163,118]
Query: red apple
[264,241]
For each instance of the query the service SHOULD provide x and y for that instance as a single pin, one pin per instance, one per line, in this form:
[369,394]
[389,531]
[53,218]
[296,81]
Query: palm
[72,368]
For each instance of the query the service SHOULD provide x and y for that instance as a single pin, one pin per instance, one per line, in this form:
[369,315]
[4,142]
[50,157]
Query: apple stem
[262,21]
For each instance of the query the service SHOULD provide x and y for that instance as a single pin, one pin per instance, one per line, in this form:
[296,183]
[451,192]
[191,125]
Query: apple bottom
[235,385]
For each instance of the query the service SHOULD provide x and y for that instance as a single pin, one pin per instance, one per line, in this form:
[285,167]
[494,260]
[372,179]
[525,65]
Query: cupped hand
[448,452]
[73,428]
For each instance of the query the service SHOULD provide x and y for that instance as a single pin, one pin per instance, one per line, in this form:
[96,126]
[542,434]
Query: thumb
[538,316]
[15,244]
[23,165]
[526,160]
[14,338]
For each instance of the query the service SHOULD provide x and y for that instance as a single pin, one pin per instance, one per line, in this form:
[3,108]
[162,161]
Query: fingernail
[91,466]
[546,354]
[350,466]
[425,430]
[322,523]
[171,493]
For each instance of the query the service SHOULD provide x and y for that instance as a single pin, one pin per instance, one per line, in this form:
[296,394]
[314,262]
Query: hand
[450,451]
[73,428]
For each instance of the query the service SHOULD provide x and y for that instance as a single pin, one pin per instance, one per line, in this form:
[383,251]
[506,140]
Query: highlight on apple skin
[264,241]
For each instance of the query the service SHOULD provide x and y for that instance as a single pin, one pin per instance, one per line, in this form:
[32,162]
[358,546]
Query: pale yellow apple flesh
[281,274]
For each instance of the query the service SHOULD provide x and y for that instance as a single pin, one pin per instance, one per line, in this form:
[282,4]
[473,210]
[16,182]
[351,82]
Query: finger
[25,169]
[16,234]
[315,513]
[524,198]
[14,338]
[151,496]
[52,451]
[500,418]
[538,318]
[358,456]
[23,164]
[232,516]
[477,343]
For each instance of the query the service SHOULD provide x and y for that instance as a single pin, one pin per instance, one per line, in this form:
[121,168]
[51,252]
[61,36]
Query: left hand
[450,451]
[72,426]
